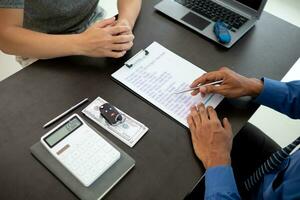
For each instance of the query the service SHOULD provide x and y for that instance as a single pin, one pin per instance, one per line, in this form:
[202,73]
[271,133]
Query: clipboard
[137,58]
[155,73]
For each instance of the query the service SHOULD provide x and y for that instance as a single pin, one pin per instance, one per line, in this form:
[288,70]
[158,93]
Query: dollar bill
[130,131]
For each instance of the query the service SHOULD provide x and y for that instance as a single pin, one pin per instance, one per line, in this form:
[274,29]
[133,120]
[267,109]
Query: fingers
[115,30]
[210,89]
[122,47]
[106,22]
[113,54]
[198,115]
[192,127]
[195,116]
[213,116]
[202,113]
[123,38]
[195,92]
[201,79]
[224,69]
[212,113]
[121,43]
[208,77]
[191,123]
[194,136]
[226,124]
[207,90]
[114,23]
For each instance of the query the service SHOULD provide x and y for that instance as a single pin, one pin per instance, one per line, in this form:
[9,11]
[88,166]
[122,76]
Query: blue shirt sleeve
[283,97]
[220,183]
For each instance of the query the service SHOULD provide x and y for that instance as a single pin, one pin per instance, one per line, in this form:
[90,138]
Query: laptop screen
[254,4]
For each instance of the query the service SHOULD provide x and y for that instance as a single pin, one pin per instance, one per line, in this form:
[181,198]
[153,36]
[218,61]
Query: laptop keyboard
[215,12]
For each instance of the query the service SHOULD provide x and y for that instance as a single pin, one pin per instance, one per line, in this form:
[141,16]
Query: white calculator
[80,149]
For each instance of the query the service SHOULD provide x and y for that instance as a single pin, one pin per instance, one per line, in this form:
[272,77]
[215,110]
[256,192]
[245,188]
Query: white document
[156,73]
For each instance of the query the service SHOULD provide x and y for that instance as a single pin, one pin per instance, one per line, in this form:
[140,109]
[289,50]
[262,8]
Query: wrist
[218,161]
[77,44]
[125,21]
[255,87]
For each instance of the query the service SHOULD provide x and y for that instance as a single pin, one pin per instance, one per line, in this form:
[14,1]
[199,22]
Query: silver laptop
[201,15]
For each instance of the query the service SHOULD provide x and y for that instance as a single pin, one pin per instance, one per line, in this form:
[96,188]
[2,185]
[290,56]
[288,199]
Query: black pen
[65,113]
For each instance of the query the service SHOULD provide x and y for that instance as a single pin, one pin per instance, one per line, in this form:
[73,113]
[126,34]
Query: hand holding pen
[199,86]
[233,85]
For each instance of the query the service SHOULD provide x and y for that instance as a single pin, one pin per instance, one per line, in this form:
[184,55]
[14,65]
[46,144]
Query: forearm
[23,42]
[129,10]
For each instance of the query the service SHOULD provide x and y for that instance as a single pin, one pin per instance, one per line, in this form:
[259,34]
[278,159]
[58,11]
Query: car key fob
[110,114]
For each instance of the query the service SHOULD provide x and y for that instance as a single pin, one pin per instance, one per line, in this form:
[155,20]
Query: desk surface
[166,167]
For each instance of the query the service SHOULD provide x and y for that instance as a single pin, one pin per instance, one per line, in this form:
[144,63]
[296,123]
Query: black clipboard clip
[137,58]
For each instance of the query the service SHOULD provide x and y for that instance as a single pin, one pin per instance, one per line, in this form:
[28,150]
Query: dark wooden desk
[166,167]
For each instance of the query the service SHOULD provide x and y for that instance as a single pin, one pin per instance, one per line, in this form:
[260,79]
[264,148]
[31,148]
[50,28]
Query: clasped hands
[106,38]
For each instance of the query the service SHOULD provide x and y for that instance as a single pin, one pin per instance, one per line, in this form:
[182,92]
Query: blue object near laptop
[201,15]
[222,32]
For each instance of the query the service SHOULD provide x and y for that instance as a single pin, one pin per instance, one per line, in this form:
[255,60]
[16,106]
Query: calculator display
[63,131]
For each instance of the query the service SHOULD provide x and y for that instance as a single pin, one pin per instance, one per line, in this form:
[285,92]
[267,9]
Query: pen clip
[137,58]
